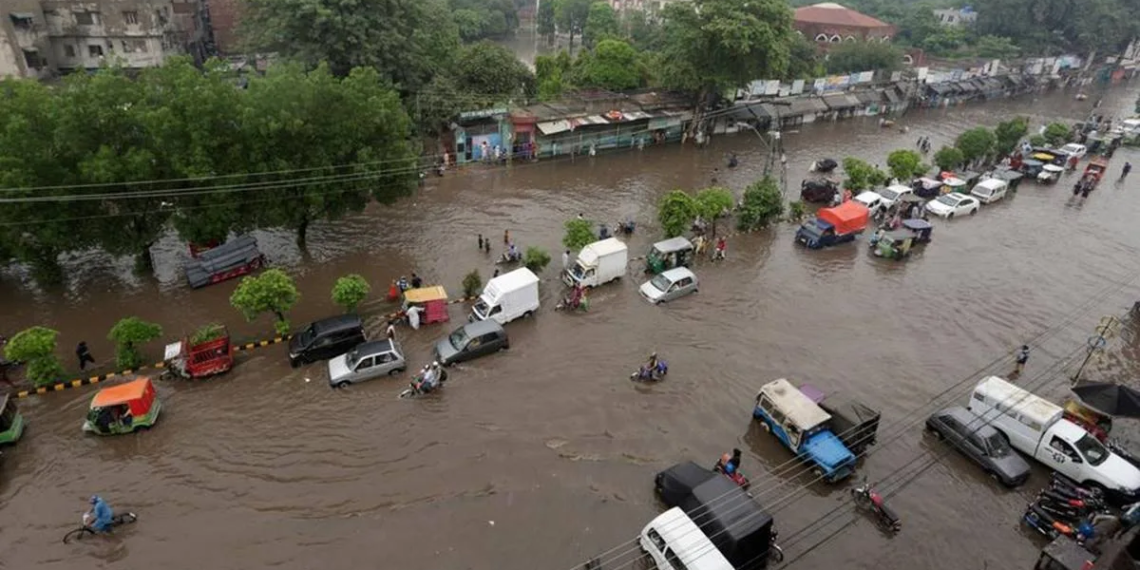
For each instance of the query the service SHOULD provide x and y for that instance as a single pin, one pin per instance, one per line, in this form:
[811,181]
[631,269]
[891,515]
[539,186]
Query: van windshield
[458,339]
[577,271]
[481,308]
[1092,450]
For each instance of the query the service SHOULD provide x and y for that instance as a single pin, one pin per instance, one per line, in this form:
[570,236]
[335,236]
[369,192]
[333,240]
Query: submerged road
[544,456]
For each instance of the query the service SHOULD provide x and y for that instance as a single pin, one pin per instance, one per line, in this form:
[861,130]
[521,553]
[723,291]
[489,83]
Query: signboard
[866,76]
[819,84]
[797,87]
[896,76]
[773,87]
[756,88]
[922,72]
[483,114]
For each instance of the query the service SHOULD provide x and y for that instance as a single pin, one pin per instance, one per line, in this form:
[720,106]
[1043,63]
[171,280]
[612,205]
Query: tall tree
[601,23]
[492,74]
[863,56]
[716,45]
[407,41]
[613,65]
[358,149]
[570,15]
[976,144]
[545,21]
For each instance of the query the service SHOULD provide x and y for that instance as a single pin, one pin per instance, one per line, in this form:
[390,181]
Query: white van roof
[688,541]
[992,184]
[799,409]
[900,189]
[512,281]
[1025,403]
[592,252]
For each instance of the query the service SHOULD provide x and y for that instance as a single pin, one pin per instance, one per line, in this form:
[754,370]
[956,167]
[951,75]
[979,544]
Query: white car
[1074,149]
[990,190]
[950,205]
[893,193]
[873,201]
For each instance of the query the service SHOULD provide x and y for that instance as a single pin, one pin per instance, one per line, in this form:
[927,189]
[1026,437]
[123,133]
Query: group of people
[923,144]
[653,369]
[431,376]
[402,284]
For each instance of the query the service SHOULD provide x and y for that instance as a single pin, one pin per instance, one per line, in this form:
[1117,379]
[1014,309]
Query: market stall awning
[940,88]
[840,101]
[806,105]
[891,94]
[554,127]
[747,110]
[867,97]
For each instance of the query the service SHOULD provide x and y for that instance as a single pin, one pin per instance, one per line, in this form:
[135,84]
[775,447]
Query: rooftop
[831,14]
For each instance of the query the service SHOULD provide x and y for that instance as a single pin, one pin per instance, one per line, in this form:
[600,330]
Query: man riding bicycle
[99,517]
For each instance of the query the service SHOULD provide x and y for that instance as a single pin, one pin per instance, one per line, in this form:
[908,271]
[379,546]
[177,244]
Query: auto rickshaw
[431,300]
[921,229]
[207,357]
[11,422]
[123,408]
[895,244]
[667,254]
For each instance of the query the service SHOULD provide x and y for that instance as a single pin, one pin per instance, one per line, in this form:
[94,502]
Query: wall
[225,19]
[134,33]
[9,65]
[17,42]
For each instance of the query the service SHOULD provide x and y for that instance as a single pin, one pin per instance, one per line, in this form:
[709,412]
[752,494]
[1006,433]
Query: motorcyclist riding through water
[653,369]
[429,378]
[100,515]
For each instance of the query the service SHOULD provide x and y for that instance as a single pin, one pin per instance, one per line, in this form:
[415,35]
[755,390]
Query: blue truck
[804,428]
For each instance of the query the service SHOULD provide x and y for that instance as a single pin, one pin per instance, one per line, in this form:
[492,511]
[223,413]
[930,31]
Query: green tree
[601,23]
[545,21]
[536,259]
[643,30]
[579,234]
[861,175]
[36,347]
[796,211]
[762,204]
[493,73]
[1056,134]
[976,144]
[472,283]
[949,158]
[714,202]
[612,65]
[128,334]
[905,164]
[1037,141]
[362,124]
[349,291]
[804,61]
[570,15]
[271,292]
[676,212]
[552,74]
[406,42]
[996,47]
[1008,133]
[850,57]
[471,24]
[206,333]
[712,46]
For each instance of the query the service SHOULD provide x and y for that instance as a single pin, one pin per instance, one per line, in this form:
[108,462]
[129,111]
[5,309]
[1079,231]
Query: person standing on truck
[1022,357]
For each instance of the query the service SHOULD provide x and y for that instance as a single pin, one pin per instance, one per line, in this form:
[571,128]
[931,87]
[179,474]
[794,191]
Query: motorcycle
[413,390]
[626,227]
[868,499]
[508,258]
[775,553]
[1069,487]
[1045,524]
[86,531]
[655,374]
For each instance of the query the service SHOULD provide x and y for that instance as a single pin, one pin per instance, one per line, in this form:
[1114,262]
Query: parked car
[950,205]
[325,339]
[669,285]
[367,361]
[990,190]
[1074,150]
[892,194]
[873,201]
[472,340]
[979,441]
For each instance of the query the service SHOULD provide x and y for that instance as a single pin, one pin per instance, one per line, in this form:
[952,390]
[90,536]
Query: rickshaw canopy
[1043,157]
[425,294]
[917,224]
[137,394]
[799,409]
[898,236]
[672,245]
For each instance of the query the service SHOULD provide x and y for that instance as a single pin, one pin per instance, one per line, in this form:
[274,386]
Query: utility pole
[1106,330]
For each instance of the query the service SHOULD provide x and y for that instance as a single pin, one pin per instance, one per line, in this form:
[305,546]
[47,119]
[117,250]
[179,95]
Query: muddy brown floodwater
[544,456]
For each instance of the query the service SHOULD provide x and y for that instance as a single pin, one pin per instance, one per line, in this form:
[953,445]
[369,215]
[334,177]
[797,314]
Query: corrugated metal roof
[803,106]
[743,111]
[838,101]
[867,97]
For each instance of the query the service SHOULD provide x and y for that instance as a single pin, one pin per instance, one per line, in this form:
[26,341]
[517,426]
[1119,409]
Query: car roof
[798,408]
[899,188]
[482,327]
[678,273]
[375,346]
[969,420]
[869,194]
[337,323]
[673,244]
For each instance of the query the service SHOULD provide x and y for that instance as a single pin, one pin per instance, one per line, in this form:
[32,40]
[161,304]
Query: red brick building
[225,17]
[830,23]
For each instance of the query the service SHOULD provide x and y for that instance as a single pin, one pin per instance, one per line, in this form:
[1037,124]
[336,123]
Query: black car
[325,339]
[820,191]
[981,442]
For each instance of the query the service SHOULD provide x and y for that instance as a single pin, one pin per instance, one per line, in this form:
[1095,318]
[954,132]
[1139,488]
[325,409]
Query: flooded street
[543,456]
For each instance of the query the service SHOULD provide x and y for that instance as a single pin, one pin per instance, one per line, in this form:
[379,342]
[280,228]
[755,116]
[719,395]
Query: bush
[536,259]
[762,204]
[472,283]
[349,291]
[676,212]
[905,164]
[36,347]
[948,158]
[579,234]
[271,292]
[128,334]
[796,211]
[1038,141]
[976,144]
[207,333]
[1057,134]
[861,175]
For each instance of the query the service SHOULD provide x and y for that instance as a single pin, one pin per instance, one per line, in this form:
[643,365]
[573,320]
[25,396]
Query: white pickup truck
[1037,428]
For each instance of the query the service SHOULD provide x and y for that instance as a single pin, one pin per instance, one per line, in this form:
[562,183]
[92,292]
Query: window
[32,59]
[365,364]
[849,39]
[22,20]
[69,50]
[134,46]
[656,539]
[95,51]
[821,38]
[674,561]
[131,17]
[86,18]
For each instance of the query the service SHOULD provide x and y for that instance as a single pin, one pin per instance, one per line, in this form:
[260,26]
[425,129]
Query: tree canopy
[976,144]
[570,16]
[676,211]
[861,175]
[1008,133]
[128,334]
[349,291]
[863,56]
[613,65]
[948,158]
[905,164]
[761,205]
[271,292]
[601,23]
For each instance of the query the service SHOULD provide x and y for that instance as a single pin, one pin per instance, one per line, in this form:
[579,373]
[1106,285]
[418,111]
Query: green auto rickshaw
[667,254]
[11,422]
[895,244]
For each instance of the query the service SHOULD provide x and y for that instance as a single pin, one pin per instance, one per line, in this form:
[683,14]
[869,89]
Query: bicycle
[85,532]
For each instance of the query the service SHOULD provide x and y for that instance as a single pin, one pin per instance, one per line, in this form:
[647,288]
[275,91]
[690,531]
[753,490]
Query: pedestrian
[580,216]
[1022,358]
[506,237]
[416,281]
[485,151]
[487,245]
[84,355]
[721,248]
[480,242]
[496,273]
[402,283]
[391,332]
[565,259]
[394,291]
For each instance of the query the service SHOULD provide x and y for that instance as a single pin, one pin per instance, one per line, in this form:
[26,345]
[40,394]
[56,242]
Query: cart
[201,360]
[431,300]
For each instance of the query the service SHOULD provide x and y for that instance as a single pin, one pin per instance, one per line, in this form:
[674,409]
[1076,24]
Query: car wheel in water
[974,211]
[528,314]
[937,434]
[341,384]
[395,371]
[766,427]
[950,215]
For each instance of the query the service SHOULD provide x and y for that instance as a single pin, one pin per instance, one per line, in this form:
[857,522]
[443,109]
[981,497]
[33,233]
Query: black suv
[325,339]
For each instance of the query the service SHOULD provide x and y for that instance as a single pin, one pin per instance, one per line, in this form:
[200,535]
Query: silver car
[368,360]
[669,285]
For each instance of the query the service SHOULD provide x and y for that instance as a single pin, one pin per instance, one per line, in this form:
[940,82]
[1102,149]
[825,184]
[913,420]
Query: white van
[507,297]
[598,264]
[675,542]
[990,190]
